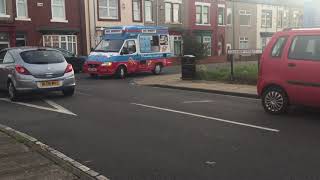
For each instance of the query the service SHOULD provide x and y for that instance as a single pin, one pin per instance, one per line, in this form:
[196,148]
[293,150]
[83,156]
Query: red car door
[303,69]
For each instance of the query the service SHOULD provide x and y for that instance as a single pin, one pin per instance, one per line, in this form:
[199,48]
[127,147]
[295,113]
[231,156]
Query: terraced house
[105,13]
[251,23]
[50,23]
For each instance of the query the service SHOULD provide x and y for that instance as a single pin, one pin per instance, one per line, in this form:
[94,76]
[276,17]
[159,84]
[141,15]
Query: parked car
[76,61]
[290,70]
[29,69]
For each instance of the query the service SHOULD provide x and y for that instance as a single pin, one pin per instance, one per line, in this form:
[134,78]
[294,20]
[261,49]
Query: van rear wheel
[121,72]
[275,101]
[157,69]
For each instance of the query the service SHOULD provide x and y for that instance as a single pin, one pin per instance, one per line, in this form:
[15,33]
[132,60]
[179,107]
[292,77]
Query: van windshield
[109,46]
[42,57]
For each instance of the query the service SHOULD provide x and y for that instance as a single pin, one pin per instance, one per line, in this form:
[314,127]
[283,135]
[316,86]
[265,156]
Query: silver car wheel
[274,101]
[11,90]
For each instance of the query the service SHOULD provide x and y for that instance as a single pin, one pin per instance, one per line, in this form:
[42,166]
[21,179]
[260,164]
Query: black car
[76,61]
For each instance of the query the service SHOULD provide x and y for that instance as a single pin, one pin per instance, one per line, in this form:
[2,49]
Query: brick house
[207,23]
[7,28]
[50,23]
[169,13]
[105,13]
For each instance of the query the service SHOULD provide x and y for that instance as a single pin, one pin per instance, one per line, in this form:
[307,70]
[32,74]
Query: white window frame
[222,6]
[229,12]
[265,18]
[151,11]
[280,15]
[57,19]
[245,13]
[243,39]
[5,15]
[22,18]
[209,53]
[109,17]
[139,10]
[73,37]
[176,19]
[202,4]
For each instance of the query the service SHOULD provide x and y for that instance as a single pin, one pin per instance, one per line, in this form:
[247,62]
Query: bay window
[67,42]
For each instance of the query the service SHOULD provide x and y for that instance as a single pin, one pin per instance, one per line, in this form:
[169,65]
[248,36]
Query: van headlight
[107,64]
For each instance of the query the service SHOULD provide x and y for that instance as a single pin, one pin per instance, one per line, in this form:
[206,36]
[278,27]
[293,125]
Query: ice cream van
[130,49]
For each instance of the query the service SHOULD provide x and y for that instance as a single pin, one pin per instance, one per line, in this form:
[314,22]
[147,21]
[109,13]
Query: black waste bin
[188,67]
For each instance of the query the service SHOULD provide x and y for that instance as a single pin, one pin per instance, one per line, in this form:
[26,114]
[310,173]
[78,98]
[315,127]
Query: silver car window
[42,57]
[8,59]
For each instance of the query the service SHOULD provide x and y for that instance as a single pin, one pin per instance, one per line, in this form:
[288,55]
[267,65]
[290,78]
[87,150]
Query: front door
[129,52]
[303,69]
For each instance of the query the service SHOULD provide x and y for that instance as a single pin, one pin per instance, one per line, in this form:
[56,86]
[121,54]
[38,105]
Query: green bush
[243,74]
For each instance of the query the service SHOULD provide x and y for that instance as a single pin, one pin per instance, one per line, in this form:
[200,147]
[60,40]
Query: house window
[176,13]
[168,12]
[136,10]
[202,14]
[148,11]
[244,43]
[172,13]
[3,7]
[297,19]
[4,40]
[229,16]
[266,19]
[22,8]
[21,40]
[58,9]
[221,16]
[279,19]
[245,18]
[67,42]
[264,42]
[109,9]
[285,21]
[207,44]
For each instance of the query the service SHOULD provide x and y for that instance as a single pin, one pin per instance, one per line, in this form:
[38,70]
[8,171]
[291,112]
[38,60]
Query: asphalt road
[130,132]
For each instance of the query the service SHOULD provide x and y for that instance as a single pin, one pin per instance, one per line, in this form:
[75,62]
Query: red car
[289,71]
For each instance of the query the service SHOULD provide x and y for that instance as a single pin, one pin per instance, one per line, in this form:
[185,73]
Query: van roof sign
[113,31]
[149,31]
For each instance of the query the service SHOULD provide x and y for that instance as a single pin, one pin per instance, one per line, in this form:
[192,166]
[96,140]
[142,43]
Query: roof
[138,27]
[274,2]
[27,48]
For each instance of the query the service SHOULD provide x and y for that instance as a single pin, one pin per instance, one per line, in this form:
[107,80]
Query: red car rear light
[22,70]
[69,68]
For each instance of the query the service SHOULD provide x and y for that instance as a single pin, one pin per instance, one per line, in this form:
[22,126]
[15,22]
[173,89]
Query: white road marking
[191,102]
[207,117]
[57,108]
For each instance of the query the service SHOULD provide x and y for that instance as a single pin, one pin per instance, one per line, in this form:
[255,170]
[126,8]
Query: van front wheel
[121,72]
[275,101]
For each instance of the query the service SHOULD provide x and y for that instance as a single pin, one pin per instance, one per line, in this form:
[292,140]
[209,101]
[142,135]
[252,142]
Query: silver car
[32,69]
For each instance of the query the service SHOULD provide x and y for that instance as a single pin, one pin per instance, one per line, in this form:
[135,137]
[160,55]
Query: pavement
[18,161]
[130,132]
[174,81]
